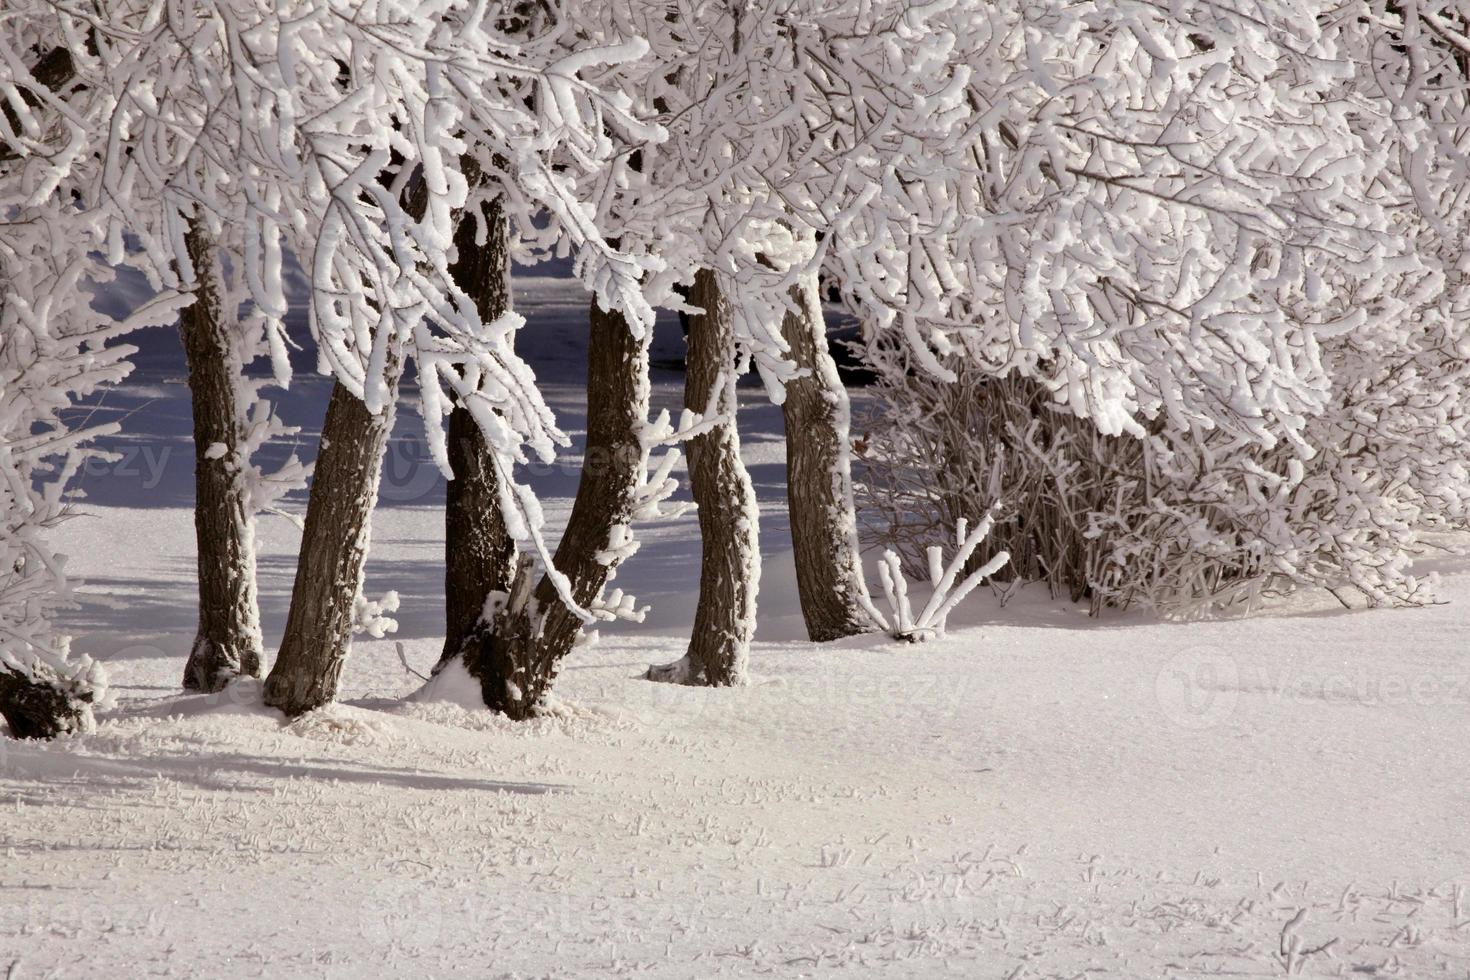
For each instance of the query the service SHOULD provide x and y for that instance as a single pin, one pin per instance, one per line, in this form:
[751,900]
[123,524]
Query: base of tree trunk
[212,667]
[684,671]
[35,710]
[681,671]
[480,555]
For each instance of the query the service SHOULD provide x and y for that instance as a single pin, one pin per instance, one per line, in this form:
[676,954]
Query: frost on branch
[43,365]
[370,616]
[649,502]
[352,142]
[949,589]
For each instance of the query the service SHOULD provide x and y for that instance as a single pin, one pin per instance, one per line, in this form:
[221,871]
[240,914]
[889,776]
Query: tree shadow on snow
[231,771]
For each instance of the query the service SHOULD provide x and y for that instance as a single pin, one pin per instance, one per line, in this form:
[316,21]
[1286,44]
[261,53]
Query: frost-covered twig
[403,659]
[947,593]
[1293,953]
[655,486]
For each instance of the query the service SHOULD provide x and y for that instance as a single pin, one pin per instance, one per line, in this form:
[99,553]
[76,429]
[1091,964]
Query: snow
[453,684]
[1032,794]
[1044,793]
[1239,233]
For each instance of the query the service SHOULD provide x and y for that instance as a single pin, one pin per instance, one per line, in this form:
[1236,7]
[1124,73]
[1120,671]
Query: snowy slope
[1036,795]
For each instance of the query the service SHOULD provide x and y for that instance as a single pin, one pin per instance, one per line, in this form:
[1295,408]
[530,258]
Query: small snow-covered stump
[949,588]
[46,693]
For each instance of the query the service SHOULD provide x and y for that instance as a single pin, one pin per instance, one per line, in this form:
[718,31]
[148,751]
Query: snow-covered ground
[1035,795]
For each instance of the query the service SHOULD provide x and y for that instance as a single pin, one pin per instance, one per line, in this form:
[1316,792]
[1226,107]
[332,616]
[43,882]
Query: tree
[325,598]
[516,650]
[795,128]
[54,348]
[729,572]
[152,189]
[480,556]
[228,643]
[829,573]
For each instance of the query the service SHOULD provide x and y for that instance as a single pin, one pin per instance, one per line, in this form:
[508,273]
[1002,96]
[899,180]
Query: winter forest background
[694,488]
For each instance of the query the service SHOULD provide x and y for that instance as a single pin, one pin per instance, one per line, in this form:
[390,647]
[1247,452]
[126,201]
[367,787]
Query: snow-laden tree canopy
[1151,207]
[1241,234]
[1190,216]
[349,134]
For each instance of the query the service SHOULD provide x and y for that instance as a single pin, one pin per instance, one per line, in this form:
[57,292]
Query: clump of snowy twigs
[1184,522]
[950,588]
[1293,952]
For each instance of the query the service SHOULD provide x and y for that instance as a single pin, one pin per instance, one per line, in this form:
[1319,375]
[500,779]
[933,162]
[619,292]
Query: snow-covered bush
[1184,521]
[936,453]
[53,349]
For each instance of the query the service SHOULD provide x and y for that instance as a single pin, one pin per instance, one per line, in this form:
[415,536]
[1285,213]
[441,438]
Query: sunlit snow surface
[1036,795]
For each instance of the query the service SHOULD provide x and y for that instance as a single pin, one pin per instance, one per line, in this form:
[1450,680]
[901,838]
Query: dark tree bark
[729,574]
[516,653]
[334,547]
[479,554]
[829,575]
[34,710]
[227,644]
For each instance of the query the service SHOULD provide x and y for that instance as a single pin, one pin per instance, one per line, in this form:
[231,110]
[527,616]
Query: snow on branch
[370,616]
[349,136]
[657,485]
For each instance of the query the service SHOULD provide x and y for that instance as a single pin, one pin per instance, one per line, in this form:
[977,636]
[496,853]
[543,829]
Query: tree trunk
[479,554]
[334,547]
[228,643]
[517,652]
[829,575]
[729,574]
